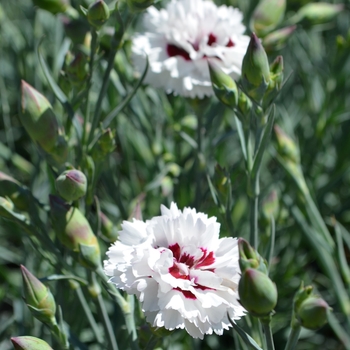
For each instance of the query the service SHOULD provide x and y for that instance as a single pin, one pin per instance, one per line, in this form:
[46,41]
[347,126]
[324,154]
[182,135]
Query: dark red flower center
[179,258]
[174,50]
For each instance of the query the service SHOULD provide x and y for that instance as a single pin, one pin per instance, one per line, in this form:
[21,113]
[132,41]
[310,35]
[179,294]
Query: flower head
[183,274]
[181,39]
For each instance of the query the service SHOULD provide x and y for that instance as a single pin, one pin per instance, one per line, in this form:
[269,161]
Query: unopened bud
[313,312]
[139,5]
[53,6]
[276,39]
[38,298]
[255,69]
[270,205]
[29,343]
[71,185]
[104,145]
[108,229]
[77,69]
[317,13]
[286,146]
[74,231]
[250,258]
[224,86]
[276,72]
[38,118]
[257,293]
[267,15]
[98,14]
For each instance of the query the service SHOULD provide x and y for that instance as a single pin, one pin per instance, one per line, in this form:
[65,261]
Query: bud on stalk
[53,6]
[257,293]
[224,86]
[38,298]
[71,185]
[255,69]
[267,15]
[98,13]
[74,231]
[250,258]
[29,343]
[139,5]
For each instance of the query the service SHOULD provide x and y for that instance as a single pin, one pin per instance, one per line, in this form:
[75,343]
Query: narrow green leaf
[248,340]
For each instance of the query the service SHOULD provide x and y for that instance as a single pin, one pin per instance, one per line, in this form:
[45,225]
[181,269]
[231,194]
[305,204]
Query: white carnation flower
[184,275]
[180,39]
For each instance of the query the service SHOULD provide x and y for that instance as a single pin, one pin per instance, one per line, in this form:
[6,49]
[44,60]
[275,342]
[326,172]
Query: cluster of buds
[309,310]
[74,232]
[29,343]
[41,123]
[257,293]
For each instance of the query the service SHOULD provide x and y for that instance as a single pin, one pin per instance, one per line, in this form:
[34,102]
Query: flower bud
[29,343]
[255,69]
[71,185]
[98,14]
[73,230]
[38,298]
[250,258]
[139,5]
[286,146]
[53,6]
[76,69]
[244,103]
[267,15]
[104,145]
[276,39]
[224,86]
[38,118]
[108,229]
[257,293]
[317,13]
[312,313]
[270,205]
[276,73]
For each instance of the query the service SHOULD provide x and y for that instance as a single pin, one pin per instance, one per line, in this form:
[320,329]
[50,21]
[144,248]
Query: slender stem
[106,321]
[293,338]
[254,206]
[266,323]
[89,315]
[198,160]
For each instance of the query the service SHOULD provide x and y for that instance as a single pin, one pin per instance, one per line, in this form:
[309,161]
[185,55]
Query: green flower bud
[73,230]
[98,14]
[244,104]
[286,146]
[29,343]
[270,205]
[38,298]
[71,185]
[38,118]
[317,13]
[77,68]
[255,69]
[257,293]
[139,5]
[312,313]
[108,229]
[104,145]
[276,39]
[224,86]
[53,6]
[276,73]
[250,258]
[267,15]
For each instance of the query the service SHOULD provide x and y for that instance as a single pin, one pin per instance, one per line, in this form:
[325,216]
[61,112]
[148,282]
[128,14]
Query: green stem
[89,315]
[293,337]
[254,214]
[266,323]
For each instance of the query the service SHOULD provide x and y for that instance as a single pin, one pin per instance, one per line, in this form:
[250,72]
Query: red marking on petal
[175,248]
[187,259]
[206,259]
[174,50]
[175,272]
[187,294]
[230,43]
[199,286]
[211,39]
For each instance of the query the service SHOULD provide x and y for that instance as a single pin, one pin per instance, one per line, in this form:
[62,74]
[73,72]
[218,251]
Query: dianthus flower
[180,39]
[185,276]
